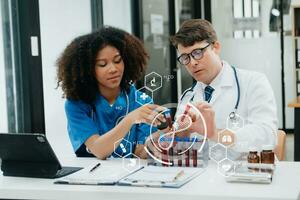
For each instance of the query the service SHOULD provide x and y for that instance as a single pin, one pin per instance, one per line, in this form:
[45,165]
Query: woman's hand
[155,145]
[147,114]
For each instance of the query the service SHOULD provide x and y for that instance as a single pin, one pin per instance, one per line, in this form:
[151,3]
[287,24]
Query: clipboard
[98,174]
[157,176]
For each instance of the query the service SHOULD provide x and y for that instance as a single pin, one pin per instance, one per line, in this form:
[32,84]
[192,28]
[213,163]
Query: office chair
[280,148]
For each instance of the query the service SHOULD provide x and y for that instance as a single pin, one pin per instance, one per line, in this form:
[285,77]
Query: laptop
[30,155]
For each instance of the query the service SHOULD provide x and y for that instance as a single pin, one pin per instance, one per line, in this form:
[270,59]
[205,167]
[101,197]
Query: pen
[178,175]
[95,167]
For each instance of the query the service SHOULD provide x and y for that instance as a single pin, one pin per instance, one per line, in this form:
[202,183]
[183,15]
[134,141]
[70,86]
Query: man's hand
[209,115]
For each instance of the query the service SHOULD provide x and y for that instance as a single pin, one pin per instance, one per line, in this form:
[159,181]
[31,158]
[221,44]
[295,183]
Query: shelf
[295,103]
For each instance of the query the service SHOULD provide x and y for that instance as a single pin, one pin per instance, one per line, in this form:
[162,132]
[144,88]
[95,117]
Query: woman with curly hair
[96,72]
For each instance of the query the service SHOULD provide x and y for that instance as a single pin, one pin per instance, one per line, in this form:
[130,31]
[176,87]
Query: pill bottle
[267,154]
[253,157]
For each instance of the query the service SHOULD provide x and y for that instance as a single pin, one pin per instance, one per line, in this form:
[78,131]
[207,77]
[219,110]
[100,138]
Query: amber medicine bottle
[267,154]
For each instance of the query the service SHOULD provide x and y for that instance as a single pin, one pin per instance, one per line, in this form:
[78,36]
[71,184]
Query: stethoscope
[232,115]
[93,116]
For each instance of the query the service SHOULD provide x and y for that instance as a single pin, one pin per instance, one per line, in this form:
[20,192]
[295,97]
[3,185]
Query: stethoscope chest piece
[234,121]
[232,116]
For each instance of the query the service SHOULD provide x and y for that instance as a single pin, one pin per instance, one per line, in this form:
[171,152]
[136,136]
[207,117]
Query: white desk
[209,185]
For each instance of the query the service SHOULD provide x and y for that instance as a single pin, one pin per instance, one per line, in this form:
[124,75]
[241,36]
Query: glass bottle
[253,157]
[267,154]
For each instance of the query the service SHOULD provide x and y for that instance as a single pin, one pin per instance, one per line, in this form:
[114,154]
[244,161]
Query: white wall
[262,54]
[117,13]
[3,105]
[290,82]
[295,3]
[61,21]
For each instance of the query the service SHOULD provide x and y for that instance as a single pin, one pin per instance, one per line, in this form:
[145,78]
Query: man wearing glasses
[237,103]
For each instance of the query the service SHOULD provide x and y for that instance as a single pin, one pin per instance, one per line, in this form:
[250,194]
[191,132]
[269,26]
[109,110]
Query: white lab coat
[257,106]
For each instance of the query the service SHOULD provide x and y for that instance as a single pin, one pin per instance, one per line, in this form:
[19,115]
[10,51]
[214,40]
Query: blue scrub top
[84,121]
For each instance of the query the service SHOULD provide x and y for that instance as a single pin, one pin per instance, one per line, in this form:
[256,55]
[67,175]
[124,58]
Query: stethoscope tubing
[232,114]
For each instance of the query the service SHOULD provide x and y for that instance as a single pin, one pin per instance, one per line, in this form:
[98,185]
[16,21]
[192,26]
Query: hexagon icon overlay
[234,123]
[226,138]
[218,152]
[226,166]
[131,164]
[153,81]
[143,96]
[123,145]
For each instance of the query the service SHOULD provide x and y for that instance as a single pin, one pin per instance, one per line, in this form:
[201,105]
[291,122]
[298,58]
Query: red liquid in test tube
[169,119]
[187,158]
[179,156]
[194,157]
[179,159]
[171,156]
[187,108]
[165,157]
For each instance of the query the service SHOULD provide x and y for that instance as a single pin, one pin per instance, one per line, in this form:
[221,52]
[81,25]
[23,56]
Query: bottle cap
[253,149]
[267,147]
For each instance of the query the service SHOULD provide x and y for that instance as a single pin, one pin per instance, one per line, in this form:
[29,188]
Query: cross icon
[144,96]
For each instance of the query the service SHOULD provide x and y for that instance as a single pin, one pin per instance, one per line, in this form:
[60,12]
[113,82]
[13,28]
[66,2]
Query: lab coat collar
[223,79]
[227,76]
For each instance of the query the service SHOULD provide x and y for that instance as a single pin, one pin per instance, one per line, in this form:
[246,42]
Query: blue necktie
[208,90]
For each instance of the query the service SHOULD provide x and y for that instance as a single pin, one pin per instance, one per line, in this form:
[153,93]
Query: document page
[156,176]
[97,174]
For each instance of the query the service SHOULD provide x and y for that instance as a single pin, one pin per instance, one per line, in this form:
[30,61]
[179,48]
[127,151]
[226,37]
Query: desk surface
[209,185]
[295,103]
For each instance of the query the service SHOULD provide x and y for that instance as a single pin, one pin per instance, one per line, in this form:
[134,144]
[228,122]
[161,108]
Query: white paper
[103,174]
[162,174]
[157,26]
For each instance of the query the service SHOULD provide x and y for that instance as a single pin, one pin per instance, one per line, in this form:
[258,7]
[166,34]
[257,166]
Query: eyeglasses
[196,54]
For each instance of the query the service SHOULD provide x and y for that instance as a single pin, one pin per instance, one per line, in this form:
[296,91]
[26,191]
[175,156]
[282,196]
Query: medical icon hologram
[131,163]
[153,81]
[234,123]
[226,166]
[170,142]
[123,144]
[144,96]
[226,137]
[218,152]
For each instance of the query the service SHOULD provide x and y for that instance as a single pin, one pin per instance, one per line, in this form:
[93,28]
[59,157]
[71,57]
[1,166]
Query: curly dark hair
[76,65]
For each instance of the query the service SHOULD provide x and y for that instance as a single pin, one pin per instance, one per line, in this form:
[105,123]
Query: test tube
[187,108]
[169,119]
[171,156]
[179,149]
[165,157]
[187,155]
[194,157]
